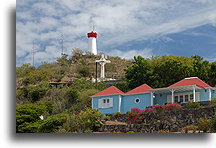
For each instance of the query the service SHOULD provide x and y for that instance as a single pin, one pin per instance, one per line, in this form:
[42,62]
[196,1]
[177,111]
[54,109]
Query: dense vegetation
[67,108]
[166,70]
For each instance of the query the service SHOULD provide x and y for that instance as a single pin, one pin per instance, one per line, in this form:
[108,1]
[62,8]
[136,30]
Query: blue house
[112,100]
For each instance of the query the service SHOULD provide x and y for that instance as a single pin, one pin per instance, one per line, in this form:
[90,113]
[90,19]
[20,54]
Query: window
[186,98]
[176,99]
[137,100]
[191,97]
[105,103]
[181,99]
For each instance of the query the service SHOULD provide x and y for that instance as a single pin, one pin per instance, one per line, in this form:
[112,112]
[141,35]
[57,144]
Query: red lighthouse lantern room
[92,34]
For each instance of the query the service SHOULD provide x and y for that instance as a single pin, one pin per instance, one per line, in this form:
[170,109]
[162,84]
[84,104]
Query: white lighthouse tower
[92,46]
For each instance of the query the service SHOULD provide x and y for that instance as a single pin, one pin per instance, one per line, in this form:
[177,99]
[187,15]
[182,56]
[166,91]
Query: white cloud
[146,53]
[117,22]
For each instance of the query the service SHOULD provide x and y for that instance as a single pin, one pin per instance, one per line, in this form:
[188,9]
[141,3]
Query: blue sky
[126,28]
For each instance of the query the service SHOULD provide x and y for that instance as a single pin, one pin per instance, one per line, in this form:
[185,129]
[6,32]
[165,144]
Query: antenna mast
[62,44]
[33,52]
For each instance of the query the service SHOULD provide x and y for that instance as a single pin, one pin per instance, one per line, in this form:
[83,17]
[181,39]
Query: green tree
[72,96]
[138,73]
[29,113]
[36,76]
[24,70]
[212,74]
[201,67]
[35,92]
[170,70]
[76,54]
[63,60]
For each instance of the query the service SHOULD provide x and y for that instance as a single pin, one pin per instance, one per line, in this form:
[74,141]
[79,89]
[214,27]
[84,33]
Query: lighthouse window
[137,100]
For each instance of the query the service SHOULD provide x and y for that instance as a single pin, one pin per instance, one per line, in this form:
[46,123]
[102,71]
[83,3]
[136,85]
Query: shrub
[72,95]
[28,114]
[135,118]
[86,120]
[158,107]
[117,113]
[190,127]
[35,92]
[213,126]
[163,131]
[173,106]
[53,123]
[193,105]
[212,103]
[155,108]
[204,124]
[135,110]
[105,117]
[83,70]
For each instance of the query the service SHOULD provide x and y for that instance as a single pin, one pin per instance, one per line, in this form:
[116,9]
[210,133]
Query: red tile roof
[109,91]
[140,89]
[191,81]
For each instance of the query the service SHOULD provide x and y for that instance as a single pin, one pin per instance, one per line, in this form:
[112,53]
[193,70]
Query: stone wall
[172,121]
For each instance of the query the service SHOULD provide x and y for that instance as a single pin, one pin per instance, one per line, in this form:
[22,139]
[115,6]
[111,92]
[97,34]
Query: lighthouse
[92,46]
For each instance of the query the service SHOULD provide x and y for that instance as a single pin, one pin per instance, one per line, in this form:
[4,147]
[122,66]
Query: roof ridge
[191,81]
[136,90]
[112,90]
[190,77]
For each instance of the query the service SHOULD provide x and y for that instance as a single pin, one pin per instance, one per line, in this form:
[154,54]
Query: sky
[125,28]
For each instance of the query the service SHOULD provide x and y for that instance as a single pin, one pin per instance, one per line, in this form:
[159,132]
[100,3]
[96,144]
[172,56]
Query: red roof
[191,81]
[140,89]
[92,34]
[109,91]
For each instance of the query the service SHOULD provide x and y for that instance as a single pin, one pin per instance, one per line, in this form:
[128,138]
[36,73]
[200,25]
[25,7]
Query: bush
[193,105]
[163,131]
[213,127]
[134,118]
[35,92]
[188,128]
[72,95]
[29,113]
[204,124]
[212,103]
[173,106]
[86,120]
[83,70]
[53,123]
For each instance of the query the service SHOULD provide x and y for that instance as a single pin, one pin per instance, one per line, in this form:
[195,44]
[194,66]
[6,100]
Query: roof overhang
[176,89]
[106,95]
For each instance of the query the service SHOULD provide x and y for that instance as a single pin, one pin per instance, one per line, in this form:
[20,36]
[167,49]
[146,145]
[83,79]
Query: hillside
[34,84]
